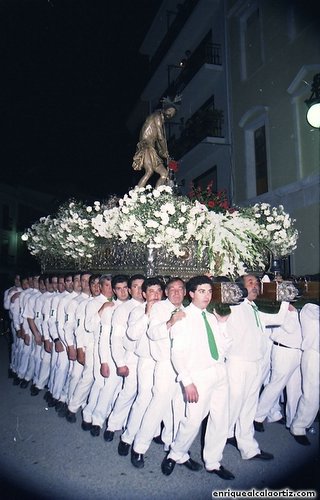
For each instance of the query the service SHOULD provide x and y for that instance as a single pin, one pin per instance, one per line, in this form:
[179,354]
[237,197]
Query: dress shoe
[52,402]
[258,426]
[137,460]
[24,383]
[123,448]
[281,421]
[108,435]
[222,473]
[59,405]
[71,417]
[11,373]
[17,381]
[263,455]
[95,430]
[167,466]
[47,396]
[158,440]
[233,442]
[86,426]
[63,411]
[302,439]
[192,465]
[34,391]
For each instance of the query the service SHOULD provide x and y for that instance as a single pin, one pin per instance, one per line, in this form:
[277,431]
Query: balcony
[206,53]
[207,122]
[175,27]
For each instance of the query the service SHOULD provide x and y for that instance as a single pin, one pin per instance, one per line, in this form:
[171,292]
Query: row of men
[129,352]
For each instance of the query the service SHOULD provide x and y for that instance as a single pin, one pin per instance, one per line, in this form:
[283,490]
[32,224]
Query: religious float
[160,233]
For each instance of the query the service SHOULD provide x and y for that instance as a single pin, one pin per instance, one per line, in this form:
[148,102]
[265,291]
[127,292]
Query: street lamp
[313,103]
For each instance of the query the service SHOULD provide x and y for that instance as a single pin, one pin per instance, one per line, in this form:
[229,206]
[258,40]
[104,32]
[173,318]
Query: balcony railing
[208,53]
[175,27]
[205,123]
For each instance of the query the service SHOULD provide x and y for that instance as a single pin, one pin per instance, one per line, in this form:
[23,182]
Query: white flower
[89,209]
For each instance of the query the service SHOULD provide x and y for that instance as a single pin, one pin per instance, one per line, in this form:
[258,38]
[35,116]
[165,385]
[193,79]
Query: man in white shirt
[308,405]
[167,401]
[199,346]
[152,291]
[245,363]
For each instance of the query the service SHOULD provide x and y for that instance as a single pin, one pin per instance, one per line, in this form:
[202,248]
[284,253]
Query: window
[260,151]
[255,125]
[251,42]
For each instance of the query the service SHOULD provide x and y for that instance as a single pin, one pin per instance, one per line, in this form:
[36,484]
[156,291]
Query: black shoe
[123,448]
[59,405]
[158,440]
[222,473]
[108,435]
[258,426]
[24,383]
[17,381]
[47,396]
[302,439]
[63,410]
[167,466]
[71,417]
[34,391]
[11,373]
[192,465]
[95,430]
[263,455]
[52,402]
[233,442]
[86,426]
[137,460]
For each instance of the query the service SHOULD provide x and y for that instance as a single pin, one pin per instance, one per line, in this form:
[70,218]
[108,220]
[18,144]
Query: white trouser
[212,387]
[75,374]
[53,366]
[31,363]
[166,404]
[44,372]
[61,372]
[19,348]
[102,397]
[308,405]
[145,370]
[37,362]
[80,395]
[119,414]
[244,386]
[285,373]
[24,359]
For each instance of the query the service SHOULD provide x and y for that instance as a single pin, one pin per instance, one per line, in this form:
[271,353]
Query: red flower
[173,165]
[211,204]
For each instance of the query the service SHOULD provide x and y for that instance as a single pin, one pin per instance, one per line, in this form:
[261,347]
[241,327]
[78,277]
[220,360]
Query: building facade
[244,70]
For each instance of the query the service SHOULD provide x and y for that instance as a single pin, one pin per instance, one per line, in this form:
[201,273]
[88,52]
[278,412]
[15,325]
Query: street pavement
[45,457]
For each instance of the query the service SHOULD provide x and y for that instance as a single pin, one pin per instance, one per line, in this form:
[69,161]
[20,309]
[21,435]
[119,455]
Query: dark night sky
[70,74]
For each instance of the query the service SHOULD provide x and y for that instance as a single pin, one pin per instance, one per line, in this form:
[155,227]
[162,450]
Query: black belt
[281,345]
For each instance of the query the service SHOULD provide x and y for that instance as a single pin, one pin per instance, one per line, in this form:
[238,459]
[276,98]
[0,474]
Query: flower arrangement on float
[232,240]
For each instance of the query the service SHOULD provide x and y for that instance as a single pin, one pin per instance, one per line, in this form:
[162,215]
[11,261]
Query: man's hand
[175,316]
[48,346]
[26,339]
[58,346]
[81,356]
[123,371]
[72,353]
[37,339]
[191,393]
[105,370]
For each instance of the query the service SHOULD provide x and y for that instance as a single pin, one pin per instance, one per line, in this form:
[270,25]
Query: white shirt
[309,317]
[190,348]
